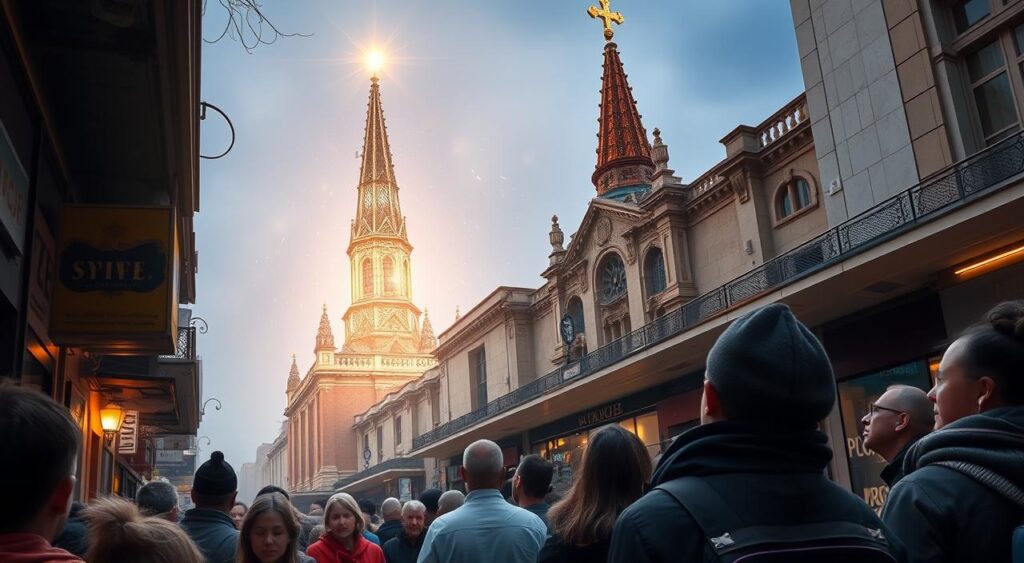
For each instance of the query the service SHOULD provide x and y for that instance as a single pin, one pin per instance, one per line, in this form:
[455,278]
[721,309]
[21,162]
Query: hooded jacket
[30,548]
[939,511]
[767,476]
[329,550]
[213,532]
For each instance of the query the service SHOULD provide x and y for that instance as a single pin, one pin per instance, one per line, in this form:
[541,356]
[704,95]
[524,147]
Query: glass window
[613,279]
[647,431]
[966,13]
[478,367]
[398,430]
[855,398]
[784,206]
[654,271]
[575,311]
[985,61]
[803,193]
[995,105]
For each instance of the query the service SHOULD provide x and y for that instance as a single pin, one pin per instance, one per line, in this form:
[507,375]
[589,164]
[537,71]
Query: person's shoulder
[658,507]
[316,548]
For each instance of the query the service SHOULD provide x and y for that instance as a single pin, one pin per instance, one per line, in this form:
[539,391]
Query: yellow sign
[116,288]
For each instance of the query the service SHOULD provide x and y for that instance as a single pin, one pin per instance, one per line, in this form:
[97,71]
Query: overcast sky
[491,110]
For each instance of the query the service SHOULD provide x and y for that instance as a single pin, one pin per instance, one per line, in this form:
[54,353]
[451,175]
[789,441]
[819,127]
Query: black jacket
[941,514]
[893,472]
[400,550]
[389,529]
[556,551]
[769,477]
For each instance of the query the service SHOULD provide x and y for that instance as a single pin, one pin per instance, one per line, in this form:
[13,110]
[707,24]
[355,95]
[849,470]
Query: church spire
[293,375]
[378,212]
[623,151]
[427,339]
[324,334]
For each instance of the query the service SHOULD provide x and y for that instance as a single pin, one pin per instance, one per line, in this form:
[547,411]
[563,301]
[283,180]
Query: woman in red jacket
[343,541]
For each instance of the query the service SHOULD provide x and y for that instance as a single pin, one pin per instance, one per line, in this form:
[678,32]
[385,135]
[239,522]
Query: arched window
[654,272]
[611,275]
[390,281]
[575,310]
[367,277]
[405,276]
[793,197]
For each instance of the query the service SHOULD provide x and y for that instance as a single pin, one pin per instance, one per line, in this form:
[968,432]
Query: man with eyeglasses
[898,419]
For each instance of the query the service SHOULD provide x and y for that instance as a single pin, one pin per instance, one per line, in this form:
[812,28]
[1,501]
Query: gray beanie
[769,368]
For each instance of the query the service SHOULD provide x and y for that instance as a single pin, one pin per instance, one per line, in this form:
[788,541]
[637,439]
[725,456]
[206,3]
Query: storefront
[644,414]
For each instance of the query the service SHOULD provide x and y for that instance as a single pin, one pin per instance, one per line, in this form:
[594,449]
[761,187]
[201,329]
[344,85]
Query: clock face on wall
[568,329]
[613,279]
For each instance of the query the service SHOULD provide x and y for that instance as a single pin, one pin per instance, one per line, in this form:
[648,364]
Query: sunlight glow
[374,61]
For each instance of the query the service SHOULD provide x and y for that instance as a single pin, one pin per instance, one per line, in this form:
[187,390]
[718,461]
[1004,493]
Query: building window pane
[966,13]
[613,279]
[647,431]
[995,105]
[398,430]
[478,372]
[985,61]
[784,206]
[803,193]
[1018,39]
[654,271]
[367,277]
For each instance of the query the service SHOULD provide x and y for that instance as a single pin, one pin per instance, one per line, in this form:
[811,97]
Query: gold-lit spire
[293,375]
[606,14]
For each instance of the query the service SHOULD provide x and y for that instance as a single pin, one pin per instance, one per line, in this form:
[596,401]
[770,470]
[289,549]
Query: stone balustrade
[784,121]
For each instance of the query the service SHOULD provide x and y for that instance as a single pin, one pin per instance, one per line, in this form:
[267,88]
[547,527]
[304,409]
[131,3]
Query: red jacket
[30,548]
[329,550]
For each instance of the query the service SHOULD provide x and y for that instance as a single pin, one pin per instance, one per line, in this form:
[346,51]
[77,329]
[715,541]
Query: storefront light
[111,418]
[991,260]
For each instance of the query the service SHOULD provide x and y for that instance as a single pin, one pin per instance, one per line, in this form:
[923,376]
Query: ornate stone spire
[293,375]
[378,212]
[427,339]
[662,173]
[324,334]
[556,237]
[623,152]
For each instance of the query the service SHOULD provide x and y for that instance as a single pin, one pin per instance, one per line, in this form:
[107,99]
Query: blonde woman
[119,532]
[343,540]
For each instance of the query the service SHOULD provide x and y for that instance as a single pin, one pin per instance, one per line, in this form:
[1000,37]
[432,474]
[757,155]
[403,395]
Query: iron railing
[393,463]
[184,346]
[980,173]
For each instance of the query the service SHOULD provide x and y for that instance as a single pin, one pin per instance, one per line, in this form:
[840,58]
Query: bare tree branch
[248,25]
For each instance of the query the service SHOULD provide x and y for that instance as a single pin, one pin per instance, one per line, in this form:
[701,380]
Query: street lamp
[111,419]
[202,411]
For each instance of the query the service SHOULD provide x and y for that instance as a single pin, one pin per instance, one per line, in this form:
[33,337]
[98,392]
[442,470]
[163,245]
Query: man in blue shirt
[486,528]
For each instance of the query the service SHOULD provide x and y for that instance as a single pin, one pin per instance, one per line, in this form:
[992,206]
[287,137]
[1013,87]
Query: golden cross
[606,14]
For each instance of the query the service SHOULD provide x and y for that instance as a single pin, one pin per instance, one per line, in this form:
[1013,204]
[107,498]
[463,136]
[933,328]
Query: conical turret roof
[623,151]
[427,339]
[324,334]
[378,212]
[293,375]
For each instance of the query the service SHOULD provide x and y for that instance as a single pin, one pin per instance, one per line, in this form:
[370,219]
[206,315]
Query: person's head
[40,445]
[391,509]
[315,533]
[612,475]
[158,498]
[532,481]
[767,368]
[429,498]
[342,517]
[983,369]
[316,509]
[901,414]
[413,518]
[482,466]
[237,513]
[368,509]
[215,485]
[119,532]
[449,501]
[274,489]
[269,532]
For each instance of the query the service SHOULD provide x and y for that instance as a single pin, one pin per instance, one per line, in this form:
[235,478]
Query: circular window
[613,279]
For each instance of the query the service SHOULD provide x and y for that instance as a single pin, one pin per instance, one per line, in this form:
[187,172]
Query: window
[367,277]
[793,197]
[575,311]
[993,96]
[966,13]
[390,279]
[398,431]
[380,444]
[654,272]
[478,376]
[612,278]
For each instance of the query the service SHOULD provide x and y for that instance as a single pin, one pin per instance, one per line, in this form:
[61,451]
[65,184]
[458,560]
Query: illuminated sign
[13,194]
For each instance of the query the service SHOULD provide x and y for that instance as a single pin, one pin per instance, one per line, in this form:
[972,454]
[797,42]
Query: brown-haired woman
[612,476]
[269,532]
[119,532]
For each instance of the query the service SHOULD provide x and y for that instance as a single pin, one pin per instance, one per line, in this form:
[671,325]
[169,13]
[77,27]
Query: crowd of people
[750,483]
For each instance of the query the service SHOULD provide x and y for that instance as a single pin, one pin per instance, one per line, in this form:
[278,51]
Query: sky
[491,108]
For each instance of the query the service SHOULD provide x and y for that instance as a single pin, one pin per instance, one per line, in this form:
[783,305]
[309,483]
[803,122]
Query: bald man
[391,512]
[897,420]
[450,501]
[486,528]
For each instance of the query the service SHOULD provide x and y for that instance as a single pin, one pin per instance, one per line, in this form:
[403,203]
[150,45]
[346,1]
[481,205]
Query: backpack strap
[994,481]
[713,515]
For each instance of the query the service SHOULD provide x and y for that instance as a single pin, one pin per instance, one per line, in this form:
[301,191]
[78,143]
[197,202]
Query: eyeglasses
[875,407]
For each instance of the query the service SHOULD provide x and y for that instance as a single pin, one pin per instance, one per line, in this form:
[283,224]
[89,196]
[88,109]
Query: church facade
[387,340]
[876,204]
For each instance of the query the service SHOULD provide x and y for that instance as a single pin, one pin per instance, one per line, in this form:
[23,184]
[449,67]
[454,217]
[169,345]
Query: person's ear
[174,513]
[986,393]
[711,404]
[60,500]
[902,421]
[462,473]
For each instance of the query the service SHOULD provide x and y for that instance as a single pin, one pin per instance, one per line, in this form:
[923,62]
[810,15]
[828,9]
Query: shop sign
[404,489]
[13,194]
[127,440]
[116,284]
[571,372]
[601,414]
[169,456]
[41,277]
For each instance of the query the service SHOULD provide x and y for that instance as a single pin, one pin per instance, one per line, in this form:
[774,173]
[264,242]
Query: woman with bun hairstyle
[270,532]
[961,498]
[118,532]
[343,540]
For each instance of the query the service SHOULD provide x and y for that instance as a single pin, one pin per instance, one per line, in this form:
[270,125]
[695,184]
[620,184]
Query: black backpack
[732,541]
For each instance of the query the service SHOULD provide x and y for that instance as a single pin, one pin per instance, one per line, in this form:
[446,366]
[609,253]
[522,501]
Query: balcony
[981,175]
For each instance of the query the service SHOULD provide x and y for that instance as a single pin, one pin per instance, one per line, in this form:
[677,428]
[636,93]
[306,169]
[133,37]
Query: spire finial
[606,14]
[324,334]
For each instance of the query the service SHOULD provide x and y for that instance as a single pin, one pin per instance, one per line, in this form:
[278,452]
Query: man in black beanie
[751,478]
[208,524]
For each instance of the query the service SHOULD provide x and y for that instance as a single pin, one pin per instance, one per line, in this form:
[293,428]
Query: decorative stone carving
[603,231]
[739,182]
